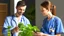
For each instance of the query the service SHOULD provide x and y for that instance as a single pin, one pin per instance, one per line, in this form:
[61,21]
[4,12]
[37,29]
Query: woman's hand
[40,34]
[16,29]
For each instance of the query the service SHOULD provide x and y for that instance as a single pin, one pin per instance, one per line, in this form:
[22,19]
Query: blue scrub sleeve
[59,27]
[4,30]
[27,22]
[42,30]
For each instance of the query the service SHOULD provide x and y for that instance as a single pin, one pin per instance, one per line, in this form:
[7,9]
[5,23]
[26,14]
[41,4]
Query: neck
[50,16]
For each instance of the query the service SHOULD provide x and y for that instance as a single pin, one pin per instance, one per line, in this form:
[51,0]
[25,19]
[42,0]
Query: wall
[8,3]
[11,7]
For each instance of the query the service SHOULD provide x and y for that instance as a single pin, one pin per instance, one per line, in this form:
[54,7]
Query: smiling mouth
[19,13]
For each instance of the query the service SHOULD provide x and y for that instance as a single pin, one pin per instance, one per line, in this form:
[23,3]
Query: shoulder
[23,17]
[25,20]
[8,17]
[45,19]
[57,18]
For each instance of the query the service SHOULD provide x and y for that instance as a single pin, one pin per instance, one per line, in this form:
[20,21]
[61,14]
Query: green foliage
[9,33]
[27,30]
[30,13]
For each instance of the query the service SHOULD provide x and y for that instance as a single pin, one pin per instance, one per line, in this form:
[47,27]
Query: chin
[20,14]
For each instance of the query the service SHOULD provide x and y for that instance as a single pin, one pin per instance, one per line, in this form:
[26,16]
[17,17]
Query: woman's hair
[48,5]
[21,3]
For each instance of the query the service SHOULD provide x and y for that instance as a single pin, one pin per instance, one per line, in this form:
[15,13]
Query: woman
[52,25]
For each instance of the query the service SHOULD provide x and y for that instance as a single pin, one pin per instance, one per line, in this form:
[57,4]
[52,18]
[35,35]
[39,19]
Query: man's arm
[5,26]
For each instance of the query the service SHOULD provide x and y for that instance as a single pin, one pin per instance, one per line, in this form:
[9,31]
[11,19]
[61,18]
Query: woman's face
[44,11]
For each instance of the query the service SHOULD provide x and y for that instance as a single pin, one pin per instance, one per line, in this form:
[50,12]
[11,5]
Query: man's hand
[16,29]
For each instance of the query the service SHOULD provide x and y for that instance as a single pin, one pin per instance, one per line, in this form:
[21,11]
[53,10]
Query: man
[15,19]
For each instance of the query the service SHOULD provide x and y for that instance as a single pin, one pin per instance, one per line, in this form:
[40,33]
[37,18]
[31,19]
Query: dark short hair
[21,3]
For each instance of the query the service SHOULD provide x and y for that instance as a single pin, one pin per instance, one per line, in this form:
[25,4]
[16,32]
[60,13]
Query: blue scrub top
[53,26]
[11,21]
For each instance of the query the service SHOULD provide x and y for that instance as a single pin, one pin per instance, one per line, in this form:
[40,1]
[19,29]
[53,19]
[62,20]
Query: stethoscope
[14,21]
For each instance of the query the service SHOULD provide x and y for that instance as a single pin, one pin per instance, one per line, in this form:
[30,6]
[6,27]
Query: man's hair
[21,3]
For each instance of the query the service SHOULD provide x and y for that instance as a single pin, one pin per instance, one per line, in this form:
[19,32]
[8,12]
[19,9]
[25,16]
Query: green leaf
[27,30]
[9,32]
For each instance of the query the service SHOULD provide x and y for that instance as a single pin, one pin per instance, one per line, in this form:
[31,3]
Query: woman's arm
[53,35]
[58,35]
[42,34]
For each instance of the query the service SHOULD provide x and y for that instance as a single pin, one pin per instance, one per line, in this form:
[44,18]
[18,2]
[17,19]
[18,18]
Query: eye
[22,9]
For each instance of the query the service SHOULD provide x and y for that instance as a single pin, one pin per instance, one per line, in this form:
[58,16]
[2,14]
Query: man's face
[21,9]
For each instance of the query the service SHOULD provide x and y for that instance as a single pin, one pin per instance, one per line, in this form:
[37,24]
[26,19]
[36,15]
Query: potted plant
[27,30]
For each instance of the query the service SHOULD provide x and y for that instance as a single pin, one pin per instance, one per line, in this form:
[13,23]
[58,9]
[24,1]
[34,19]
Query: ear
[25,6]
